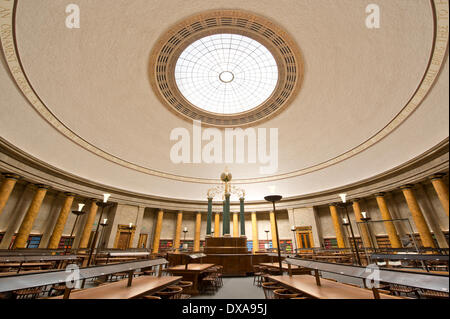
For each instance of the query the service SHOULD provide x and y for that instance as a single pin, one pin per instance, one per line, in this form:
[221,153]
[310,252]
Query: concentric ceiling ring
[226,68]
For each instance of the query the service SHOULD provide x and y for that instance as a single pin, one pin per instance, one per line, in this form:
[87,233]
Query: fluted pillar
[235,224]
[242,215]
[440,188]
[363,227]
[177,241]
[209,217]
[273,230]
[6,189]
[394,239]
[417,215]
[198,225]
[30,216]
[158,228]
[217,224]
[255,233]
[90,219]
[61,221]
[337,226]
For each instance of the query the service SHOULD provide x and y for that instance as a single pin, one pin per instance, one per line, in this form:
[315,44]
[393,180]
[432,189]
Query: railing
[417,280]
[23,281]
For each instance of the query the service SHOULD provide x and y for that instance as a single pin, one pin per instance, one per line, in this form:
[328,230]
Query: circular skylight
[226,73]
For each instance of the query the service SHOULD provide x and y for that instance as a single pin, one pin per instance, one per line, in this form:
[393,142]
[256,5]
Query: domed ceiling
[82,101]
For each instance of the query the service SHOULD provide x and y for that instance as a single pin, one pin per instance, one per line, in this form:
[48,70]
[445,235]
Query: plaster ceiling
[95,81]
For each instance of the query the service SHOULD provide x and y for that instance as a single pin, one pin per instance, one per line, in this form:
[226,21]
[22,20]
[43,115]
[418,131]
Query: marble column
[255,233]
[177,241]
[158,228]
[30,216]
[61,221]
[6,189]
[273,230]
[226,216]
[90,219]
[198,225]
[337,226]
[217,225]
[209,217]
[235,224]
[417,215]
[363,227]
[440,188]
[390,227]
[242,215]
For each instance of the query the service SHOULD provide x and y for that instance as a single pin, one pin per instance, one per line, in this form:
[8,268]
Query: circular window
[226,73]
[226,68]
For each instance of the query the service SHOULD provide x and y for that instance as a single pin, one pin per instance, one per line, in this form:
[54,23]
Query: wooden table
[192,273]
[119,290]
[334,258]
[436,272]
[284,266]
[26,265]
[328,290]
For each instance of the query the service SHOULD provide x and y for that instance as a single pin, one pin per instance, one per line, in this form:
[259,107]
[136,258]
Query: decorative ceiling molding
[12,58]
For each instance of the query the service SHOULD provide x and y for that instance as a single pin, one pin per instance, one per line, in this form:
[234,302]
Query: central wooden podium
[231,253]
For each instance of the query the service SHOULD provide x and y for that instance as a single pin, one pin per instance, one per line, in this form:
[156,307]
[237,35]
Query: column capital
[380,194]
[11,176]
[407,186]
[332,204]
[42,186]
[69,194]
[437,176]
[356,200]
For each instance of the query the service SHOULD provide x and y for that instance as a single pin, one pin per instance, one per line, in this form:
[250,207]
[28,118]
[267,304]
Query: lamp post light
[185,230]
[344,205]
[267,238]
[102,205]
[103,224]
[78,213]
[294,229]
[273,199]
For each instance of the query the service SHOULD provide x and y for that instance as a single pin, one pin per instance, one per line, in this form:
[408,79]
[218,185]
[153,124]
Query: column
[30,216]
[209,217]
[417,215]
[90,219]
[337,226]
[242,215]
[177,240]
[61,221]
[255,233]
[6,189]
[235,224]
[158,228]
[439,186]
[226,216]
[363,227]
[198,225]
[390,227]
[273,230]
[217,224]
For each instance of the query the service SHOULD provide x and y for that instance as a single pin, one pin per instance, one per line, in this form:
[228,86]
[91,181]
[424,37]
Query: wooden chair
[29,293]
[268,288]
[257,275]
[284,294]
[59,289]
[171,292]
[434,294]
[211,281]
[185,285]
[151,297]
[398,289]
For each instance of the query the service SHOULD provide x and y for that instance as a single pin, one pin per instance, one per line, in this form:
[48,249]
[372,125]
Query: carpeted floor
[236,288]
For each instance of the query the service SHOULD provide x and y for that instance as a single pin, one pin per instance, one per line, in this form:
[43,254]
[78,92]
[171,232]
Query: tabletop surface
[328,289]
[119,289]
[284,266]
[191,267]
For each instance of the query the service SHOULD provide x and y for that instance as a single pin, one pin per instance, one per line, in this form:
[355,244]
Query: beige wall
[318,217]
